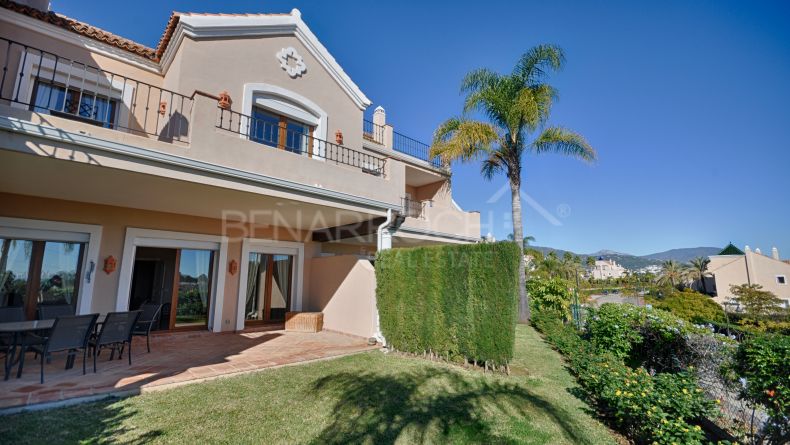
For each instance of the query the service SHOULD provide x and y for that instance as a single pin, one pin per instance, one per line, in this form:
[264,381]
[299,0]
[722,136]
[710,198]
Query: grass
[368,398]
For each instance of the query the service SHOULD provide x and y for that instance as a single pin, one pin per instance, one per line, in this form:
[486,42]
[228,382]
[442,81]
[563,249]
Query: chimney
[379,116]
[758,251]
[775,253]
[747,249]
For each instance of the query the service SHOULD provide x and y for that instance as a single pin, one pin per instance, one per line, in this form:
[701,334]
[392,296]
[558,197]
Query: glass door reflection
[269,283]
[193,288]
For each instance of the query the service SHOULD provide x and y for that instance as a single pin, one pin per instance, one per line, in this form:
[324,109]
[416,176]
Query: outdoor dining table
[18,329]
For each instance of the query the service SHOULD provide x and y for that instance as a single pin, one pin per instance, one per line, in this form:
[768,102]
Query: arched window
[284,119]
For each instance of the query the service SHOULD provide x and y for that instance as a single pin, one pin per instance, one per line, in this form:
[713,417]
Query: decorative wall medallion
[291,62]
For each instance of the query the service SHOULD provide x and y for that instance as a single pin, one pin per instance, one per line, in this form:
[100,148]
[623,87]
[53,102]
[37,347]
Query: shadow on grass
[436,405]
[97,423]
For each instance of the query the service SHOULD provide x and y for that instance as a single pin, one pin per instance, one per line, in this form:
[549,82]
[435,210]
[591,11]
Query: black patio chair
[115,333]
[53,311]
[69,333]
[149,319]
[9,314]
[12,313]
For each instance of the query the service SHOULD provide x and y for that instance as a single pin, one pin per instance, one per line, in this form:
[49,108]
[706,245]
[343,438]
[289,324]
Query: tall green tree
[514,108]
[671,273]
[697,269]
[756,301]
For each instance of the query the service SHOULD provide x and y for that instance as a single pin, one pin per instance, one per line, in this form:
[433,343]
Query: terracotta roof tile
[107,37]
[82,28]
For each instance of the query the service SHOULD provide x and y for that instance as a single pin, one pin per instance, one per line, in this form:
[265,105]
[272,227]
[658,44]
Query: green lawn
[367,398]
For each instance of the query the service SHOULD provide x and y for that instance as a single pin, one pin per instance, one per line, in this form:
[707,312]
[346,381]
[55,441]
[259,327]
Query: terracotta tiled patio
[175,359]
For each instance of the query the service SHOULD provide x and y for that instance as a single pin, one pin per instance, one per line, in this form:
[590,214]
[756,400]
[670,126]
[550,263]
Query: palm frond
[464,139]
[535,64]
[492,166]
[562,141]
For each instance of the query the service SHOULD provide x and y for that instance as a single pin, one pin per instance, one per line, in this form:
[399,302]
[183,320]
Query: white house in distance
[733,266]
[604,269]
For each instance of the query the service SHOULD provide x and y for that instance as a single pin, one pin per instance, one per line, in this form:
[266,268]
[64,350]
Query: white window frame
[137,237]
[259,245]
[44,230]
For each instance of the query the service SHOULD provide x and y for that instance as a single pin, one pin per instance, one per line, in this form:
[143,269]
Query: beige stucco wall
[442,215]
[228,63]
[115,221]
[344,289]
[732,270]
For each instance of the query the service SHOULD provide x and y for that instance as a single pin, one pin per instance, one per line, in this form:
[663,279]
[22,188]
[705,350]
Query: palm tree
[671,273]
[515,106]
[697,269]
[527,239]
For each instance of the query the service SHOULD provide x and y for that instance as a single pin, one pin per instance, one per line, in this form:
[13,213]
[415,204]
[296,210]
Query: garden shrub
[764,364]
[659,408]
[453,301]
[549,294]
[653,338]
[691,306]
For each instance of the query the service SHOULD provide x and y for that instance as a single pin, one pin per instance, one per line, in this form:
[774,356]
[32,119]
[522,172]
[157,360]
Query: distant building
[733,266]
[604,269]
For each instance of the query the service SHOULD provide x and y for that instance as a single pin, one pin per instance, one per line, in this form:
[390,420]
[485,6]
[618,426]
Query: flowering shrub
[659,408]
[652,338]
[763,364]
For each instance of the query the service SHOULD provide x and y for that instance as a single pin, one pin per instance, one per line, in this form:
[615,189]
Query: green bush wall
[455,301]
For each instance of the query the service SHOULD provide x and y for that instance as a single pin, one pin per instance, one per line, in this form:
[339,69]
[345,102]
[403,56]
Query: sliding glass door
[192,293]
[35,272]
[269,283]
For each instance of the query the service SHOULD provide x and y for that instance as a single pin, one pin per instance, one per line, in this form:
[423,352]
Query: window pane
[47,98]
[256,286]
[264,127]
[59,273]
[15,258]
[194,290]
[281,286]
[295,136]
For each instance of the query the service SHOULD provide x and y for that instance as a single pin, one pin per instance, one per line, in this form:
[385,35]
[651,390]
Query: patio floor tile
[175,358]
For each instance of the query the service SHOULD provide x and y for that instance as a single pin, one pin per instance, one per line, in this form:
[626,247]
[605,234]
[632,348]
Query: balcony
[47,83]
[373,132]
[303,144]
[412,147]
[412,208]
[377,132]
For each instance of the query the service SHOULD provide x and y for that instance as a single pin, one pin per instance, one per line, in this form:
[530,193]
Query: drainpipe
[380,232]
[380,245]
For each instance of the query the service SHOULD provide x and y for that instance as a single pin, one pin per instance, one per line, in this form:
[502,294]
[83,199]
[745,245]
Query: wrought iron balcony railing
[415,148]
[297,142]
[373,132]
[412,208]
[48,83]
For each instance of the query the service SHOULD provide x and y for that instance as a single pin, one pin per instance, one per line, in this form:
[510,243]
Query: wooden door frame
[136,236]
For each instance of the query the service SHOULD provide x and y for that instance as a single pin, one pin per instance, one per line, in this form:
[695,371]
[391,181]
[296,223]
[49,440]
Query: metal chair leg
[148,342]
[130,353]
[42,369]
[21,362]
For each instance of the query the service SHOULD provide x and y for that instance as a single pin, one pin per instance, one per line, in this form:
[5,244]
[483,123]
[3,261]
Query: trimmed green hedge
[454,301]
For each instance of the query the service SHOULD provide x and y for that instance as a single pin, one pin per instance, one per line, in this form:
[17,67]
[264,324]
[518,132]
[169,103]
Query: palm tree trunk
[518,237]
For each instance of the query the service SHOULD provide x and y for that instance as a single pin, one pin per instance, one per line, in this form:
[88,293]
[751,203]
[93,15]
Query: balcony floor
[175,359]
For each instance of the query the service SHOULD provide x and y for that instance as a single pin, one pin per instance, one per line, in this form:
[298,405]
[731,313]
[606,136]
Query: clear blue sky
[687,103]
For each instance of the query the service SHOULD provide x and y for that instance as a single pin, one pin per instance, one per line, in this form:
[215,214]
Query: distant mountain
[626,260]
[634,262]
[683,255]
